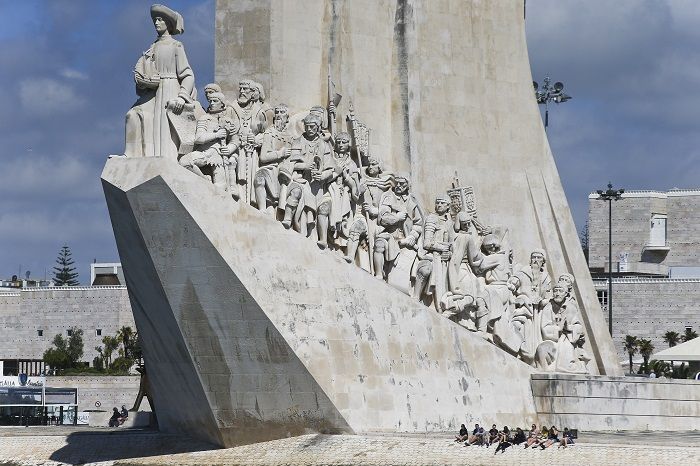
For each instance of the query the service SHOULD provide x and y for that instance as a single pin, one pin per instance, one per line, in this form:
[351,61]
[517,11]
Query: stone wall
[616,403]
[683,227]
[648,308]
[107,391]
[55,310]
[631,217]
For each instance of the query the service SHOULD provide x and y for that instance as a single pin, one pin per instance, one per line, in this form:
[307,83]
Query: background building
[31,317]
[656,262]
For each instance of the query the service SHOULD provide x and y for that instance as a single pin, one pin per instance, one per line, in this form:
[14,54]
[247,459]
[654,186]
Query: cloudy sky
[632,66]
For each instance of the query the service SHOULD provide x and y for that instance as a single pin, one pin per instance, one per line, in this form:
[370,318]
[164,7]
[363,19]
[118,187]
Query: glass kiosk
[26,401]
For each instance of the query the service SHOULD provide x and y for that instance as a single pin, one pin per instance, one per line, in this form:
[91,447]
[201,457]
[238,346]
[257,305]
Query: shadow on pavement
[111,445]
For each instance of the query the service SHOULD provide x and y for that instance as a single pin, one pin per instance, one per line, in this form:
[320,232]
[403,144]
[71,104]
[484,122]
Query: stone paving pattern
[127,448]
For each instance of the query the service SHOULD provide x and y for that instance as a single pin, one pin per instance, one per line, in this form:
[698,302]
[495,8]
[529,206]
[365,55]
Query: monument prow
[251,333]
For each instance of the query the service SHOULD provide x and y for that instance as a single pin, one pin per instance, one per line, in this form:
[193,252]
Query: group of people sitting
[118,417]
[543,437]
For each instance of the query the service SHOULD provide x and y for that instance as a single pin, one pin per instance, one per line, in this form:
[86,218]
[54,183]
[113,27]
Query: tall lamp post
[610,195]
[549,93]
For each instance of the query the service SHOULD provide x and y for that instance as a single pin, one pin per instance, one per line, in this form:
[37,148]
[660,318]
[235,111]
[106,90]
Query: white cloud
[70,73]
[45,96]
[35,176]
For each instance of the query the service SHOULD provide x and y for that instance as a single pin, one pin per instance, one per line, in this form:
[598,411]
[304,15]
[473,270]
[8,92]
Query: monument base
[616,403]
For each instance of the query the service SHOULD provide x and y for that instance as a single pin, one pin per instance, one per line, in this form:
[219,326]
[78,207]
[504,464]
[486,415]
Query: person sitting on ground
[504,440]
[519,436]
[533,437]
[463,434]
[552,438]
[477,436]
[493,435]
[114,420]
[567,438]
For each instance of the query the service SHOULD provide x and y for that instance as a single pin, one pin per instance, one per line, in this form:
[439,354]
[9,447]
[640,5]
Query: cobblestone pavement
[127,448]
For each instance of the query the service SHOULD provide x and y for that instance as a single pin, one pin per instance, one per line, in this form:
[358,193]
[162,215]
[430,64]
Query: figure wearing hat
[164,82]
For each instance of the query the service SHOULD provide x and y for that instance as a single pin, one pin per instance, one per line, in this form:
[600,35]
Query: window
[603,299]
[40,333]
[98,332]
[70,332]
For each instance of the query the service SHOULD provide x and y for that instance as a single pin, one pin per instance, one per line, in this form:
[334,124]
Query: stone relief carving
[328,187]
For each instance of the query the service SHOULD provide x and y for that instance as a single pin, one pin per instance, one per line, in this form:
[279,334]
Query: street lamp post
[610,195]
[549,93]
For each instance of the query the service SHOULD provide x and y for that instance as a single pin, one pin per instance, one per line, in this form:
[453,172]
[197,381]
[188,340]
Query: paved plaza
[59,446]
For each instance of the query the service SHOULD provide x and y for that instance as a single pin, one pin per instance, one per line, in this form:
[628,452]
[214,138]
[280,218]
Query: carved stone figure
[533,285]
[164,83]
[211,88]
[342,192]
[400,220]
[561,348]
[568,280]
[496,268]
[276,147]
[364,225]
[302,172]
[259,96]
[438,234]
[213,142]
[250,117]
[533,289]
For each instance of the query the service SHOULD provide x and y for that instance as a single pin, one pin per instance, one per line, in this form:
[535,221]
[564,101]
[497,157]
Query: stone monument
[287,275]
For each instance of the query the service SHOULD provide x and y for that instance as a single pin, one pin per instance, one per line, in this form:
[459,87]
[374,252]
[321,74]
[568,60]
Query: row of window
[69,332]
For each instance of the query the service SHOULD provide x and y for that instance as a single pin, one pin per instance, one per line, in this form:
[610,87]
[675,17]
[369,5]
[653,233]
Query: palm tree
[631,344]
[689,334]
[672,338]
[110,345]
[645,349]
[125,335]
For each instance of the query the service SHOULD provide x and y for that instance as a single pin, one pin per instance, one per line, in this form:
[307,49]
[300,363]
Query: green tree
[64,273]
[75,346]
[672,338]
[57,356]
[65,353]
[583,236]
[110,345]
[645,349]
[631,346]
[689,334]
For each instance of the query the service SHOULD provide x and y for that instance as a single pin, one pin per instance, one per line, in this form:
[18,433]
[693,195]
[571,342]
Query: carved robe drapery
[161,74]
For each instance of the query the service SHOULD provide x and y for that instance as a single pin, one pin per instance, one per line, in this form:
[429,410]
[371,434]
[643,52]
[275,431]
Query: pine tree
[583,236]
[64,273]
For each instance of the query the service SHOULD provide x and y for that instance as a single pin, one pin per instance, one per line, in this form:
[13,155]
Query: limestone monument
[288,276]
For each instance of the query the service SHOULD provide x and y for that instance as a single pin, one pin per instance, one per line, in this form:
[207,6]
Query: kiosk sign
[22,380]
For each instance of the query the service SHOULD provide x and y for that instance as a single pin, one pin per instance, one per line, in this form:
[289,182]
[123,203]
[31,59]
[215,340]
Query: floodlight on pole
[610,195]
[549,93]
